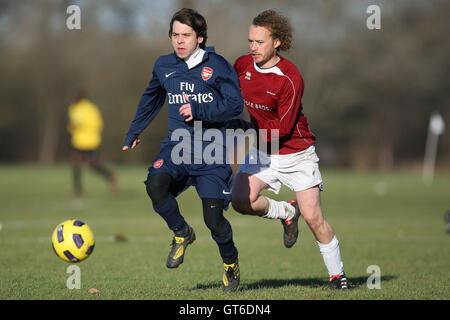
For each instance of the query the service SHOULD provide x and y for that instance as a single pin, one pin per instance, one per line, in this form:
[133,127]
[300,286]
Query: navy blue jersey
[212,87]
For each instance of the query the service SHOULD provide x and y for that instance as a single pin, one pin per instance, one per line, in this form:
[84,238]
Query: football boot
[290,226]
[231,277]
[339,282]
[179,245]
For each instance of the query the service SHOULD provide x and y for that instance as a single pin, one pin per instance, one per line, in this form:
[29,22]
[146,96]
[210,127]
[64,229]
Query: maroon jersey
[273,99]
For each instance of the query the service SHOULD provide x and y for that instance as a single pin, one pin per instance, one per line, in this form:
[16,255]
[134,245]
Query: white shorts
[297,171]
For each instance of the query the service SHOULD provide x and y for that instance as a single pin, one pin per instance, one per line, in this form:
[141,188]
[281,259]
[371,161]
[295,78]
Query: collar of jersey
[204,56]
[273,69]
[195,58]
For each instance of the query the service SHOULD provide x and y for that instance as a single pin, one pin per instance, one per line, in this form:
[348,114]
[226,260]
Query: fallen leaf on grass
[94,291]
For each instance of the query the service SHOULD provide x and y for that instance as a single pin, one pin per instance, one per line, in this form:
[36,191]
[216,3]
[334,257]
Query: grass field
[391,220]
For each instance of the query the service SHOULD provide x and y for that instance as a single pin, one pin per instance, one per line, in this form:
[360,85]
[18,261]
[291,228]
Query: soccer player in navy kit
[272,88]
[201,87]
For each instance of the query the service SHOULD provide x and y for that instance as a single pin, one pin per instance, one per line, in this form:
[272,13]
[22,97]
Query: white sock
[279,210]
[332,256]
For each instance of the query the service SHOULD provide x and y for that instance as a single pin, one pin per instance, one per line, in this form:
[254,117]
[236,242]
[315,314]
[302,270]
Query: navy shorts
[210,180]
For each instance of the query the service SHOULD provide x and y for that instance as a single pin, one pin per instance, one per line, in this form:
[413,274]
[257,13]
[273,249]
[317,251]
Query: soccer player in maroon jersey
[272,88]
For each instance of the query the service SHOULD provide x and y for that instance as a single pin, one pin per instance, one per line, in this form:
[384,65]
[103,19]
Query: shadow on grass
[278,283]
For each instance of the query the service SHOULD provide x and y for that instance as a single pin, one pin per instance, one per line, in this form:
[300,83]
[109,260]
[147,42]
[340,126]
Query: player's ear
[276,43]
[200,40]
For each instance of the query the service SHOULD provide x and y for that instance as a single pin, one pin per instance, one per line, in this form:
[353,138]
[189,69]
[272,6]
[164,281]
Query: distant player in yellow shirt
[85,126]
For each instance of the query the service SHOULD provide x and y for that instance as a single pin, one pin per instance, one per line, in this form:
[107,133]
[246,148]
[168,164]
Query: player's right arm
[149,105]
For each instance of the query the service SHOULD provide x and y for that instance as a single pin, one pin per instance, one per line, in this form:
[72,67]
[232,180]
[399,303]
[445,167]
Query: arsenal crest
[207,73]
[158,163]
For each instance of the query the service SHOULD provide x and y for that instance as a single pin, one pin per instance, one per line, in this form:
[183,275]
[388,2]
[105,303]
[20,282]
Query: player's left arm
[289,109]
[227,104]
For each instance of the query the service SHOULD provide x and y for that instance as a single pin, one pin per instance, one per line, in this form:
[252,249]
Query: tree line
[368,94]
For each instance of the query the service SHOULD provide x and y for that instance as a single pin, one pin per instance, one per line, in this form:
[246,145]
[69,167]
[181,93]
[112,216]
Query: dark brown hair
[278,26]
[193,19]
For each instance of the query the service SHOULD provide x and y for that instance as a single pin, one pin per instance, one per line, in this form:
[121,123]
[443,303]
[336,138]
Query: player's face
[262,47]
[184,40]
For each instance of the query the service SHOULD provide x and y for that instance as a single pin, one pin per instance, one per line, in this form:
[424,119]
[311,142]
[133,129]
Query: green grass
[391,220]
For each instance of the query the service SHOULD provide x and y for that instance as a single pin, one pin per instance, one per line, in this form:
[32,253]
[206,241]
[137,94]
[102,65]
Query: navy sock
[169,211]
[227,249]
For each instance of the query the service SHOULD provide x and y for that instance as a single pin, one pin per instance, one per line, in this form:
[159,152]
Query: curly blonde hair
[278,25]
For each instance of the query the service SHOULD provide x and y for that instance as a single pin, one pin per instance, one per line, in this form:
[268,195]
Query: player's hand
[133,145]
[185,110]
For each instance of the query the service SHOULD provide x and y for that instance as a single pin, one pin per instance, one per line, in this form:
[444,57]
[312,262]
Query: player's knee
[213,216]
[243,203]
[242,206]
[157,187]
[217,225]
[313,219]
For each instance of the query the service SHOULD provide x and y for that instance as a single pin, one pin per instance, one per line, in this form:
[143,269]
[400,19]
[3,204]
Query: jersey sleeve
[228,103]
[289,109]
[149,106]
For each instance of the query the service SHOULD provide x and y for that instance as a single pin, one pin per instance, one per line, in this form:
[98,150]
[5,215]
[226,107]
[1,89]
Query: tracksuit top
[85,125]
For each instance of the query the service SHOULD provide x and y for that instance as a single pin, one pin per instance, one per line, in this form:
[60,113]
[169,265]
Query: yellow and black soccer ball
[73,240]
